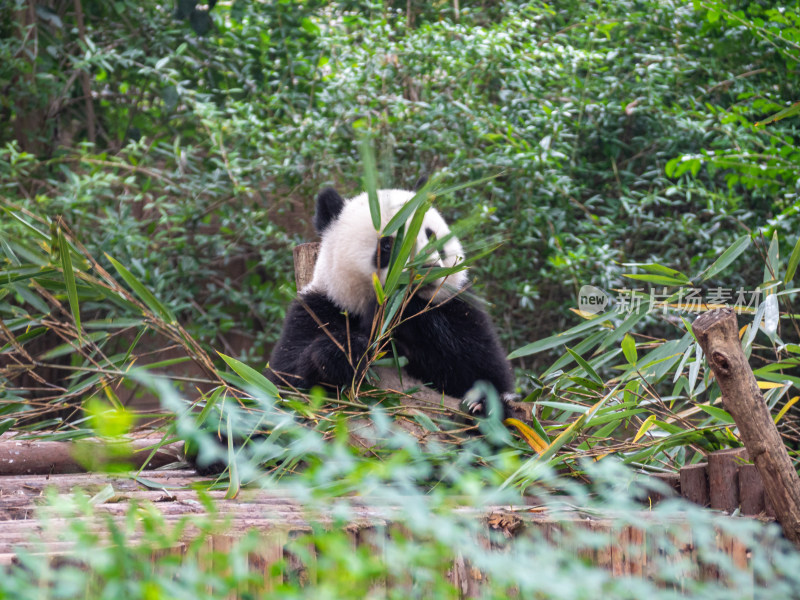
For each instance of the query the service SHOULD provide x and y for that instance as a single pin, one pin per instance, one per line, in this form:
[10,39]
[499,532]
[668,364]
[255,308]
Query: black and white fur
[449,342]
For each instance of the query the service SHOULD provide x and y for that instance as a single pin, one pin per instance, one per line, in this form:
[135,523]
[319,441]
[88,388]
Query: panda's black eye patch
[430,233]
[384,252]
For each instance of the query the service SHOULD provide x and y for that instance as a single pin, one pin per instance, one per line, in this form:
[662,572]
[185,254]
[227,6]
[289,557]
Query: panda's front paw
[475,406]
[484,401]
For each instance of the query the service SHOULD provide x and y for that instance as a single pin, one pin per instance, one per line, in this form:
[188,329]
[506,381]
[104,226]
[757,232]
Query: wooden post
[751,490]
[723,478]
[305,257]
[718,335]
[694,483]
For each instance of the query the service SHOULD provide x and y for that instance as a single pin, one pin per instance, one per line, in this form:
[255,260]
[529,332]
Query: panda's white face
[349,253]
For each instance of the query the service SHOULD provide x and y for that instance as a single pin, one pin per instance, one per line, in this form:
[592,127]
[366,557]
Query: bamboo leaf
[408,209]
[409,239]
[561,338]
[528,434]
[471,183]
[34,230]
[234,481]
[142,292]
[782,114]
[586,367]
[716,412]
[656,279]
[629,349]
[726,258]
[647,424]
[6,424]
[69,280]
[371,182]
[210,403]
[570,432]
[794,259]
[783,410]
[251,376]
[771,266]
[769,385]
[426,422]
[771,316]
[376,284]
[657,269]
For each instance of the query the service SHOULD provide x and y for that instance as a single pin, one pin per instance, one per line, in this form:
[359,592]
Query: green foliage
[208,149]
[183,145]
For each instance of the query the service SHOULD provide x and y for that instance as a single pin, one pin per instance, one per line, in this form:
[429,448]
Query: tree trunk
[717,333]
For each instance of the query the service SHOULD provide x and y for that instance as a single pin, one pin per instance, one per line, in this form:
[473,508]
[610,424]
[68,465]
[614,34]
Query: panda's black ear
[420,182]
[329,205]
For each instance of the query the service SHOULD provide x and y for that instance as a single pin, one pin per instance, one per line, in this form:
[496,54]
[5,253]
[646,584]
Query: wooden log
[723,478]
[718,335]
[751,490]
[694,484]
[29,457]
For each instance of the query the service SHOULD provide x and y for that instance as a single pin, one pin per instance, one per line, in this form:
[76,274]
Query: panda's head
[351,250]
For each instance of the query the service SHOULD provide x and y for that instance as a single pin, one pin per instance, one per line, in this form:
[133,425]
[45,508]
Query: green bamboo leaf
[561,338]
[251,376]
[379,294]
[771,266]
[409,239]
[394,305]
[726,258]
[537,427]
[570,432]
[794,259]
[629,349]
[718,413]
[586,367]
[461,186]
[783,114]
[36,231]
[564,406]
[617,416]
[408,209]
[426,422]
[64,349]
[142,292]
[658,269]
[656,279]
[23,274]
[210,403]
[371,182]
[633,317]
[69,280]
[6,424]
[586,383]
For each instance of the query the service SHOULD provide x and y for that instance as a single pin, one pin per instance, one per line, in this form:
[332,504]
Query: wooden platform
[627,550]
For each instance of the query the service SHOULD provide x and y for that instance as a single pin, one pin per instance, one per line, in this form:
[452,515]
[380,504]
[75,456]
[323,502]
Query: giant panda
[448,340]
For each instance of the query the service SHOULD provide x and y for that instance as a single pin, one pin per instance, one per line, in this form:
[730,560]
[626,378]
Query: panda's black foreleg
[339,362]
[454,348]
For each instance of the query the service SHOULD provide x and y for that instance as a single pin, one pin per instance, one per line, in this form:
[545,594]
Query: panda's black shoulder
[307,311]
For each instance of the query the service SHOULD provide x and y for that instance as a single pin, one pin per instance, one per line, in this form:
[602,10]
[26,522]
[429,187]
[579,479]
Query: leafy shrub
[207,149]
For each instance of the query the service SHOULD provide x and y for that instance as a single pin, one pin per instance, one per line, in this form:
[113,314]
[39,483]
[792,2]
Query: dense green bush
[207,149]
